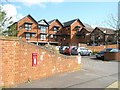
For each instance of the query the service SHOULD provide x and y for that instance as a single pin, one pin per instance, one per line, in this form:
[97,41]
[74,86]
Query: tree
[114,22]
[12,31]
[5,22]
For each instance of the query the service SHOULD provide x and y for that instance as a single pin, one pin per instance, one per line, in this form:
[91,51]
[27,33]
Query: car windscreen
[101,52]
[74,48]
[109,49]
[67,47]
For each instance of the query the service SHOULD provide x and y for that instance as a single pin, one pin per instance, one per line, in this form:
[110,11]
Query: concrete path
[95,74]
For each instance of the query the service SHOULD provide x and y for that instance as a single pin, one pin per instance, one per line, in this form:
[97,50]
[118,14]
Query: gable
[42,22]
[58,22]
[78,22]
[27,19]
[55,21]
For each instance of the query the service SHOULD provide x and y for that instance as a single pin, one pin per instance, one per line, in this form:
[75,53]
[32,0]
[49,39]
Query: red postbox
[34,59]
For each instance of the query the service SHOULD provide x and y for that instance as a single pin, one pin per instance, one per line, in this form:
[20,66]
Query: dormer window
[28,26]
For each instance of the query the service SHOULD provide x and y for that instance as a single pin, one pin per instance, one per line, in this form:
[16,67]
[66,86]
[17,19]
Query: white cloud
[11,11]
[20,16]
[35,2]
[91,0]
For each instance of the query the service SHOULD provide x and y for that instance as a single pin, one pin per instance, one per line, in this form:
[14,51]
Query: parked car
[68,49]
[57,47]
[62,48]
[81,51]
[100,55]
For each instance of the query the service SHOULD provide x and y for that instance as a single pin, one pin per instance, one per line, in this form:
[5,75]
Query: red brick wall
[16,62]
[99,48]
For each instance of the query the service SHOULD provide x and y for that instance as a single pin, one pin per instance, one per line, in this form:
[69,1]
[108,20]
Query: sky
[93,12]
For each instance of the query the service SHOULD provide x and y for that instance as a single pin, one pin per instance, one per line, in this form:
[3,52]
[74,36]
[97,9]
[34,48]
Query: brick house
[27,28]
[55,32]
[70,30]
[84,35]
[102,35]
[43,32]
[32,31]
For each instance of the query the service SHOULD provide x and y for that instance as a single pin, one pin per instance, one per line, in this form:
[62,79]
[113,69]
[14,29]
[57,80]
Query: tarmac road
[95,74]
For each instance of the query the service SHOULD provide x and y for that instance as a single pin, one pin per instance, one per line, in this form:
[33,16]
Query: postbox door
[34,59]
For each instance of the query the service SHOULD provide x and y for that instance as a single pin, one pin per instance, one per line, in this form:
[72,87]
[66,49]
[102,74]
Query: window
[27,36]
[55,29]
[56,39]
[28,26]
[68,28]
[51,36]
[20,37]
[43,37]
[77,27]
[83,35]
[43,29]
[55,36]
[33,35]
[20,27]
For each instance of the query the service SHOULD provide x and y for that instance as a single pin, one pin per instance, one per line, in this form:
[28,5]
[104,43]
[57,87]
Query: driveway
[94,74]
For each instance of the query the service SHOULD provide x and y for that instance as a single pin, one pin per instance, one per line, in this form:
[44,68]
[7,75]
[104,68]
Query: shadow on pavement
[95,59]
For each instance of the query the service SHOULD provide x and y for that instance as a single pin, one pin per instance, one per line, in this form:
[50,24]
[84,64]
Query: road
[94,74]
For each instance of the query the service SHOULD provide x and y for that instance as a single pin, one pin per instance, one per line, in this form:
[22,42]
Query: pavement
[94,74]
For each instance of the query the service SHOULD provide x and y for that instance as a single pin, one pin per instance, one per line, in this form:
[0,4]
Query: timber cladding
[16,62]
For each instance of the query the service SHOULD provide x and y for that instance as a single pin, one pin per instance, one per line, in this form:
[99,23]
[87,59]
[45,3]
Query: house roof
[50,22]
[44,21]
[106,30]
[87,25]
[28,16]
[68,23]
[22,19]
[88,29]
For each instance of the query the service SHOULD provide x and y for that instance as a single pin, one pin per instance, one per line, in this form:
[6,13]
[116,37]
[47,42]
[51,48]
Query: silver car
[62,48]
[81,51]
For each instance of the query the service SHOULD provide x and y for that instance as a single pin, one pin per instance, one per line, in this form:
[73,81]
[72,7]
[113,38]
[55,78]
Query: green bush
[95,52]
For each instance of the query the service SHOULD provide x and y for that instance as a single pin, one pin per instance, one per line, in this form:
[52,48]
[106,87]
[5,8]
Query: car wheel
[90,54]
[79,53]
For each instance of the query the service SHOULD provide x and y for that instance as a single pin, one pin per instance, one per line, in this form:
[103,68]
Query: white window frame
[42,37]
[43,29]
[27,35]
[28,26]
[33,35]
[51,36]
